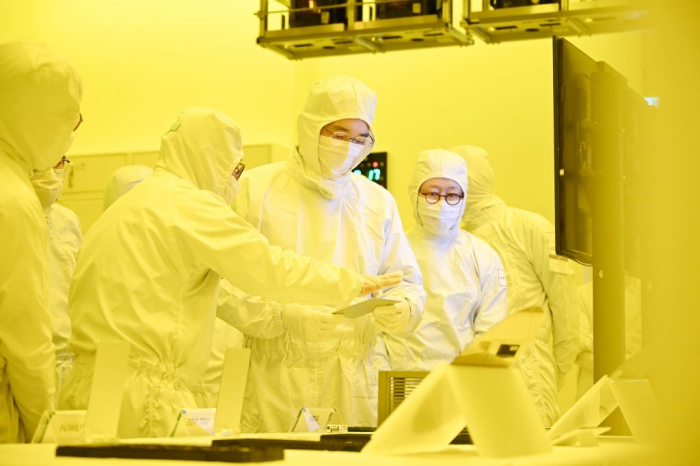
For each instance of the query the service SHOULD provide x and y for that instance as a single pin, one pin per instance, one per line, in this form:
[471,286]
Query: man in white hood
[525,241]
[64,238]
[40,94]
[314,205]
[463,276]
[149,270]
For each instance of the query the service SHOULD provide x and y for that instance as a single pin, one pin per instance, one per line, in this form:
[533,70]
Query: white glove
[393,318]
[374,283]
[310,323]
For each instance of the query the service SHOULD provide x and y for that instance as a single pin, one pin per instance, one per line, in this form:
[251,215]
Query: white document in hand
[365,307]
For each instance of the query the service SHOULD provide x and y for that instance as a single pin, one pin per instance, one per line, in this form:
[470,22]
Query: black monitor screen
[572,140]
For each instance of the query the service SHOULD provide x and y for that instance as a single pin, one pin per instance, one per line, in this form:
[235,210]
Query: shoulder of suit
[18,201]
[60,211]
[481,247]
[264,170]
[370,187]
[531,219]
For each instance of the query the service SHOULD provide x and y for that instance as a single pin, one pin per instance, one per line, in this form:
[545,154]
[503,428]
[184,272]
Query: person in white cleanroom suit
[536,278]
[64,237]
[463,276]
[313,204]
[40,94]
[123,180]
[149,269]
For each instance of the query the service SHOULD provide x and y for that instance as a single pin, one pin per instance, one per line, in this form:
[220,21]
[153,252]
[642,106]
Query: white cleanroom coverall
[40,94]
[463,276]
[149,269]
[225,336]
[64,241]
[64,238]
[345,220]
[525,242]
[123,180]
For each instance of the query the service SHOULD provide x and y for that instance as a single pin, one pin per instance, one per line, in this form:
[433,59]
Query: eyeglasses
[61,167]
[434,198]
[366,141]
[238,171]
[79,121]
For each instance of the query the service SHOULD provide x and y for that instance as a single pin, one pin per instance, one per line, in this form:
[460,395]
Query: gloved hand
[393,318]
[310,323]
[374,283]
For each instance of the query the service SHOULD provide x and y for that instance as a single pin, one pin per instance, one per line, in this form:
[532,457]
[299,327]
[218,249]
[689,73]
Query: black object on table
[330,442]
[224,453]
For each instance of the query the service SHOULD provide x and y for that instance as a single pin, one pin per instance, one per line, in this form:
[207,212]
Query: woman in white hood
[463,276]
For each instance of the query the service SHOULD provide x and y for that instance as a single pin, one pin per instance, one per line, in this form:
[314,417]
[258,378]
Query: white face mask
[48,186]
[231,189]
[439,218]
[337,157]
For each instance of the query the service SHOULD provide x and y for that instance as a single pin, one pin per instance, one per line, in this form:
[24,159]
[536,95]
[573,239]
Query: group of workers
[195,256]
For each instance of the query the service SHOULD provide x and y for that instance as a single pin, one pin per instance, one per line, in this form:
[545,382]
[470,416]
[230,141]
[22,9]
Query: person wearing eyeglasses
[463,276]
[315,205]
[40,95]
[149,269]
[64,238]
[525,242]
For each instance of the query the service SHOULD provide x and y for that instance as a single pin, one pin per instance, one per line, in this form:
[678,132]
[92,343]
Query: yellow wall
[142,62]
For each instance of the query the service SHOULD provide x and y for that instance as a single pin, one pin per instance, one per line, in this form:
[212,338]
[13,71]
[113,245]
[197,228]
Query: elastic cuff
[277,310]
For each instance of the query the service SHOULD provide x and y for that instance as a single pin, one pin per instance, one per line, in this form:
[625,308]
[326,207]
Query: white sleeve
[398,255]
[493,306]
[252,315]
[208,233]
[381,355]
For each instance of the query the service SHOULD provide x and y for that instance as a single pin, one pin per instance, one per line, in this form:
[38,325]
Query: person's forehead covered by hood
[330,100]
[203,146]
[481,175]
[437,163]
[40,94]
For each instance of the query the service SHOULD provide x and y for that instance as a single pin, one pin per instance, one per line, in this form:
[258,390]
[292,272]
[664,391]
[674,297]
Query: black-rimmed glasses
[434,198]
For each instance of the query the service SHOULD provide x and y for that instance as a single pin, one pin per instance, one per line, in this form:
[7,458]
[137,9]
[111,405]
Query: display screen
[574,173]
[374,168]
